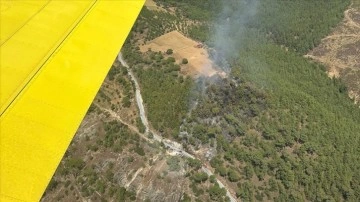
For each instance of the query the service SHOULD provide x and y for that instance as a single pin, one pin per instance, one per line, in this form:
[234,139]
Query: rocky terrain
[340,51]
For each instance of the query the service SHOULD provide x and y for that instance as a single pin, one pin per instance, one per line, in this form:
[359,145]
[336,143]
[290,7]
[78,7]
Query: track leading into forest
[169,144]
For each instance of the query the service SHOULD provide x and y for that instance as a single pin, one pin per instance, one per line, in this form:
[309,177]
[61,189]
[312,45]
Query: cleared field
[340,52]
[151,5]
[183,47]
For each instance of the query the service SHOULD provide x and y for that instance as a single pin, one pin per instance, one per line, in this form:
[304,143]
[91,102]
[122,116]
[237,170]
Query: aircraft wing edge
[38,126]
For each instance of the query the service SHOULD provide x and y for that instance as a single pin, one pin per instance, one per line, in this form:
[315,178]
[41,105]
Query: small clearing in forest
[199,63]
[340,52]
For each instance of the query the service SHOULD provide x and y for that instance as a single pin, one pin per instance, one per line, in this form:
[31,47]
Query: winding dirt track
[342,35]
[171,146]
[349,19]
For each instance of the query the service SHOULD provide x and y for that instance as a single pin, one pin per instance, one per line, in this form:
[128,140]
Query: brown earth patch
[199,63]
[340,52]
[151,5]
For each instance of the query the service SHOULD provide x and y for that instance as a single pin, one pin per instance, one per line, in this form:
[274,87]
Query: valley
[184,115]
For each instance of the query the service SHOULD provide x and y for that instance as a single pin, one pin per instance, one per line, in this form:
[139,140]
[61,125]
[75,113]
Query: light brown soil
[183,47]
[151,5]
[340,52]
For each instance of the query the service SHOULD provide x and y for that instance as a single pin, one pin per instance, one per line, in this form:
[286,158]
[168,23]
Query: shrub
[169,51]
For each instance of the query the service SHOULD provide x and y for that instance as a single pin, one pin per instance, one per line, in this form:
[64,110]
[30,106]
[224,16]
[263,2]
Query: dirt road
[169,144]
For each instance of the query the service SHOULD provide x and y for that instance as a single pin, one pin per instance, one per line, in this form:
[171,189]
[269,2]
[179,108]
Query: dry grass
[151,5]
[183,47]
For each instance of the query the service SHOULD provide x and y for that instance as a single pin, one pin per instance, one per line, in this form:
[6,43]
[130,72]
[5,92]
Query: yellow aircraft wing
[54,57]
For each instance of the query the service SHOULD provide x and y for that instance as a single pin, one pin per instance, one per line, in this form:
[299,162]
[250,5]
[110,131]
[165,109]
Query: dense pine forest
[284,130]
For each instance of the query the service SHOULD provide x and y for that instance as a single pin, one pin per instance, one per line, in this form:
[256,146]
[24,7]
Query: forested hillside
[298,24]
[283,130]
[275,128]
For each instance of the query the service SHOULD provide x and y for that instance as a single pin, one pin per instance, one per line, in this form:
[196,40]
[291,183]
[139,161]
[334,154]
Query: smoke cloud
[228,28]
[226,40]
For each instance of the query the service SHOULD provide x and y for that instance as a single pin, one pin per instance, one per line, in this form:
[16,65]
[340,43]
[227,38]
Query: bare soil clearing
[183,47]
[151,5]
[340,52]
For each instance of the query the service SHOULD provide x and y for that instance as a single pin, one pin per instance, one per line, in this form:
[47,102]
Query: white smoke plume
[228,28]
